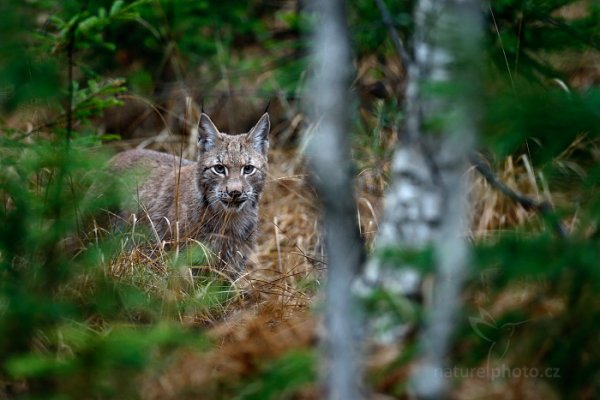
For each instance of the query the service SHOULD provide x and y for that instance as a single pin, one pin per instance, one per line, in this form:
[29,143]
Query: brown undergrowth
[275,313]
[492,211]
[271,310]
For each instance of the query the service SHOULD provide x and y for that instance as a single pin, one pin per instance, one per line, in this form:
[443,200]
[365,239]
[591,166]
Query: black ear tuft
[207,133]
[259,134]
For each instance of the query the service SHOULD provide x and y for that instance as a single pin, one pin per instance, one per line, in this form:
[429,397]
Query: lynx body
[215,199]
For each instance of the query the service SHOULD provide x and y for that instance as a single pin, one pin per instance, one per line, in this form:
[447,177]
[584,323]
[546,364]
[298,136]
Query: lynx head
[232,169]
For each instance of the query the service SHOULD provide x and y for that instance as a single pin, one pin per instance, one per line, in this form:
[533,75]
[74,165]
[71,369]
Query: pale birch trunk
[328,154]
[426,204]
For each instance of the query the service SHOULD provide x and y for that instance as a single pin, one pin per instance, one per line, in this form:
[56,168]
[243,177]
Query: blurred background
[87,314]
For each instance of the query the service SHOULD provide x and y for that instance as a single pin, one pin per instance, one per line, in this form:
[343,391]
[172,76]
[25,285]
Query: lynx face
[232,169]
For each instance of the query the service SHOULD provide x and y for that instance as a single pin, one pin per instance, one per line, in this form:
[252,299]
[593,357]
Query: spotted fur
[215,199]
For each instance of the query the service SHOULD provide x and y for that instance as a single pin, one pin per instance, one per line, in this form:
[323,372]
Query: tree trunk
[426,205]
[328,153]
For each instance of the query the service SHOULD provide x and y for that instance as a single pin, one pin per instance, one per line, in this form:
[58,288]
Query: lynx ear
[207,133]
[259,134]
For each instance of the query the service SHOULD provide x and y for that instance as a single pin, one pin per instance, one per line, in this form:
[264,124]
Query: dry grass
[289,257]
[492,211]
[268,311]
[242,345]
[273,315]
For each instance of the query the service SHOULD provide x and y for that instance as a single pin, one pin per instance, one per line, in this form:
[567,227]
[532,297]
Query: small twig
[398,44]
[512,82]
[543,207]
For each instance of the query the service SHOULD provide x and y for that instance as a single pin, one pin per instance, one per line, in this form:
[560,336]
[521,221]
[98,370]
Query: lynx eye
[219,169]
[248,170]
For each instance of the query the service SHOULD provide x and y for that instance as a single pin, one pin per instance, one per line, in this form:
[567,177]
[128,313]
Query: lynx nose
[235,194]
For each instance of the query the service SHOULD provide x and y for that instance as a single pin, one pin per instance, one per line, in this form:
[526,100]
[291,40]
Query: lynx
[215,199]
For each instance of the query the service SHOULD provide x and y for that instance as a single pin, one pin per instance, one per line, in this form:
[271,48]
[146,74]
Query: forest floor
[275,306]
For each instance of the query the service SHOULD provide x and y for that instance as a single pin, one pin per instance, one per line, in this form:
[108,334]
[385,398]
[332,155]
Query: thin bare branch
[543,207]
[398,44]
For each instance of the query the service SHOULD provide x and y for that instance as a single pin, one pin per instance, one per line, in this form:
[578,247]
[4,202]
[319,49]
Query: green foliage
[548,120]
[72,328]
[528,29]
[368,31]
[565,262]
[547,270]
[40,213]
[280,378]
[86,28]
[528,112]
[67,327]
[422,259]
[25,75]
[105,365]
[533,104]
